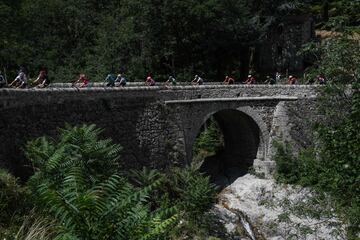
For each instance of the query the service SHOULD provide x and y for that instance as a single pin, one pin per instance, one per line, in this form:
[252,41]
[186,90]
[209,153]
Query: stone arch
[264,134]
[245,136]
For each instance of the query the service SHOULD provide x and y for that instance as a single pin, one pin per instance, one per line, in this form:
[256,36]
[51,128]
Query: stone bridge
[157,126]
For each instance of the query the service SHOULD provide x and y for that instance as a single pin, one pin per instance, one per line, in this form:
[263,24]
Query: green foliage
[208,142]
[194,191]
[340,157]
[194,195]
[336,58]
[336,166]
[328,12]
[14,202]
[77,184]
[329,177]
[97,37]
[333,167]
[79,192]
[111,209]
[302,169]
[77,148]
[287,168]
[145,176]
[185,191]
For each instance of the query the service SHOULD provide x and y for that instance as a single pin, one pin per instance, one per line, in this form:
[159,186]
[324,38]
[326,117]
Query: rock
[266,210]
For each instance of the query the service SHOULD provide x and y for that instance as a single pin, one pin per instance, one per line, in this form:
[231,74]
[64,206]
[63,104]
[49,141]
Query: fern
[195,192]
[145,176]
[77,184]
[160,227]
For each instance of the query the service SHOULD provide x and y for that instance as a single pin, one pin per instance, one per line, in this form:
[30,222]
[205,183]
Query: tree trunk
[244,62]
[325,10]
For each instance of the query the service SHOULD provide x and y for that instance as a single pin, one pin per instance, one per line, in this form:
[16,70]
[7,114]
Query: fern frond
[55,159]
[145,176]
[39,150]
[160,227]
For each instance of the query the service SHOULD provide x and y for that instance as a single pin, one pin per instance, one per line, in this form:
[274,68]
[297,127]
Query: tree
[181,38]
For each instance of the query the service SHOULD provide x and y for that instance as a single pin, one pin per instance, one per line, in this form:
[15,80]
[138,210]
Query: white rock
[262,201]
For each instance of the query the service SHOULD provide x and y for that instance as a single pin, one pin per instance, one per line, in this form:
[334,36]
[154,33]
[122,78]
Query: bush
[79,192]
[186,190]
[193,190]
[287,167]
[78,184]
[195,196]
[340,160]
[335,166]
[208,143]
[14,204]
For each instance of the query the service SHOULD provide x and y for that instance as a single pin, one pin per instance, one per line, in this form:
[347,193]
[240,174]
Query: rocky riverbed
[252,208]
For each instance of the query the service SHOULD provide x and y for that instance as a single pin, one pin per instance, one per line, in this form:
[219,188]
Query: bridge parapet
[24,97]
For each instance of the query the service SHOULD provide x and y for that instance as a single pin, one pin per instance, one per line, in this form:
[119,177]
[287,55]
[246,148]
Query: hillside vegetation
[209,37]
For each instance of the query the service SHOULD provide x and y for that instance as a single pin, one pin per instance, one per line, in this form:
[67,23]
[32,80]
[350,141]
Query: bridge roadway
[158,126]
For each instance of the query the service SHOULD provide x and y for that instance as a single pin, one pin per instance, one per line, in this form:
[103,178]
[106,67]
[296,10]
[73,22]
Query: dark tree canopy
[158,36]
[208,37]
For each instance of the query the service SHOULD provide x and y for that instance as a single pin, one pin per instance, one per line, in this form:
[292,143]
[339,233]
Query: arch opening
[236,138]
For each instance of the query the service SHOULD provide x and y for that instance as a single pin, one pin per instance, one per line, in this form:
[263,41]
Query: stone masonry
[157,126]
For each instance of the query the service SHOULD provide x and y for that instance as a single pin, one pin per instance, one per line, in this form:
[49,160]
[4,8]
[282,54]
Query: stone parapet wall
[128,84]
[18,97]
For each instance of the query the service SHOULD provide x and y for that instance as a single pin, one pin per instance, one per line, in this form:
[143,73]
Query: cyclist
[82,81]
[197,80]
[229,80]
[171,80]
[110,80]
[20,81]
[42,80]
[150,81]
[250,80]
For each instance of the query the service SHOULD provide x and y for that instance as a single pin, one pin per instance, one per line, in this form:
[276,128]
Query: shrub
[335,166]
[287,167]
[210,139]
[77,183]
[14,203]
[187,191]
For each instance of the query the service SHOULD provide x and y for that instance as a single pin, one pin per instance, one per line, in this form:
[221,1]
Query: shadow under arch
[242,145]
